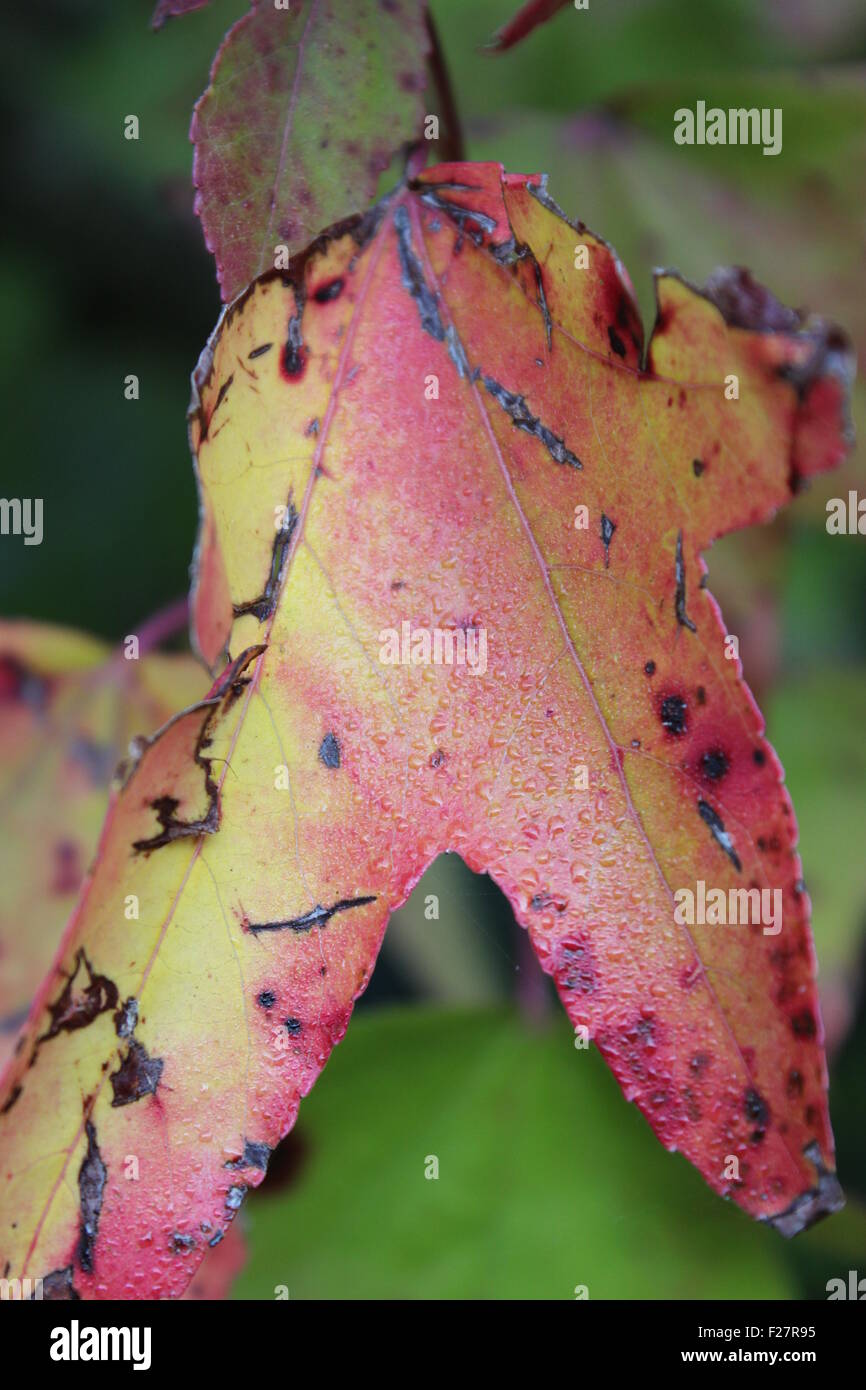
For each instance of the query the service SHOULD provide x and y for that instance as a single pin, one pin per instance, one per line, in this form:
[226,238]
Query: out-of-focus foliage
[826,776]
[545,1181]
[69,708]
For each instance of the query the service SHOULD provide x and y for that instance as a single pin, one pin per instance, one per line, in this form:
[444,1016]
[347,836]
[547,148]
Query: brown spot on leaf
[166,806]
[58,1286]
[78,1004]
[138,1075]
[264,606]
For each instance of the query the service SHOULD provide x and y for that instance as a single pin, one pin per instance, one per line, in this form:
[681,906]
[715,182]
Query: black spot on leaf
[714,764]
[329,751]
[517,409]
[758,1113]
[680,597]
[13,1096]
[719,833]
[673,714]
[607,529]
[294,355]
[255,1155]
[318,917]
[92,1177]
[329,291]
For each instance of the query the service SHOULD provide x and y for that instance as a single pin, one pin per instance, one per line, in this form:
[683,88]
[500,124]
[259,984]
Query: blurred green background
[548,1179]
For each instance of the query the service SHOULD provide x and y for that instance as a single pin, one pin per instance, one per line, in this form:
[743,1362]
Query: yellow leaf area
[441,422]
[69,707]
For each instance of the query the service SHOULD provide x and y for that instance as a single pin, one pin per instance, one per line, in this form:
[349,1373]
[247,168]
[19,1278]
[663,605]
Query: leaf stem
[452,144]
[165,623]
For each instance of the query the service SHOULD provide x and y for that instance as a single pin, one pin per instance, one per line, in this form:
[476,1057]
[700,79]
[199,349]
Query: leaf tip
[824,1198]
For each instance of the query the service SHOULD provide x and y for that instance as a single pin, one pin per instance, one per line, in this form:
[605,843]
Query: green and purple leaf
[305,110]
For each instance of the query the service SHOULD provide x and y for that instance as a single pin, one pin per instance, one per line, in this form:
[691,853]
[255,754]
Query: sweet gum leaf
[603,755]
[69,707]
[335,92]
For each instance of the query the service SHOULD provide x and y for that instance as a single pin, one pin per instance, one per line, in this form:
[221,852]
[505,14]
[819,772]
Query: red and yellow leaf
[69,707]
[396,437]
